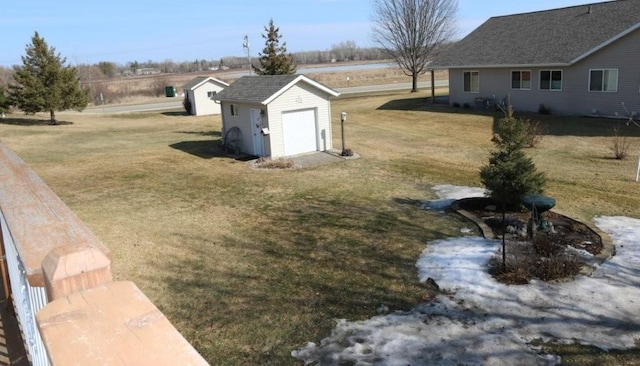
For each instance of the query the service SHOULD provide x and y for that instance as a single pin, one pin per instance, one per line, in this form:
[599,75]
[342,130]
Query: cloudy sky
[121,31]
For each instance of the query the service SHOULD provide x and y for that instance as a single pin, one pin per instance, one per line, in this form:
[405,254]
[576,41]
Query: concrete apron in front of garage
[317,158]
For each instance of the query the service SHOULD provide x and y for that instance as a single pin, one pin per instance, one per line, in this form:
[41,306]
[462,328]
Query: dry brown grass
[138,88]
[250,264]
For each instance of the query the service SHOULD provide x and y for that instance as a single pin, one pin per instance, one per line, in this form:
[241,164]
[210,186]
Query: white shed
[277,115]
[200,92]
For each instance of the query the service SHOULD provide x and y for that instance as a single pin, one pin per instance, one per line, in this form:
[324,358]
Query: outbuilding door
[256,126]
[300,132]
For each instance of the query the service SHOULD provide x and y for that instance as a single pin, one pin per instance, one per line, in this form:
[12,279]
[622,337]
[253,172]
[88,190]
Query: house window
[210,94]
[521,80]
[472,81]
[234,110]
[551,80]
[603,80]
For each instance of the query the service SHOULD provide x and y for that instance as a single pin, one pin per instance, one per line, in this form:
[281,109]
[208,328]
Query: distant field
[139,88]
[251,264]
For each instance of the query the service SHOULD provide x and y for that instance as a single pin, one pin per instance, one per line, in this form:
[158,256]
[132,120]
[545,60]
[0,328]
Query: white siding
[243,122]
[300,96]
[203,105]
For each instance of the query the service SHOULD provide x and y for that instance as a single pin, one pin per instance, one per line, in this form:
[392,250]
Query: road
[176,103]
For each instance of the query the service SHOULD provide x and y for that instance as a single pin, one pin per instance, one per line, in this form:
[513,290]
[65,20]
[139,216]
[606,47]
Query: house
[277,115]
[200,92]
[578,60]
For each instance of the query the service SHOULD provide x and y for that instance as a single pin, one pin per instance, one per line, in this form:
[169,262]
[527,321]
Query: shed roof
[200,80]
[552,37]
[263,89]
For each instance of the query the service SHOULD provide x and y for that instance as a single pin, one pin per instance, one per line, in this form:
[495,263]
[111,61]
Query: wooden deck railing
[60,284]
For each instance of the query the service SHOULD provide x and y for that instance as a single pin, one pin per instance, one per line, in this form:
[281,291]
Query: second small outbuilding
[199,92]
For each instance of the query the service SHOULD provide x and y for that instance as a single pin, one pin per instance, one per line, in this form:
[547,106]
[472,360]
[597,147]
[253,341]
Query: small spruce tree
[274,59]
[511,174]
[44,84]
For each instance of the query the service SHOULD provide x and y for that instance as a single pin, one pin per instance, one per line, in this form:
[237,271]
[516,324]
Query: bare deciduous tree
[412,31]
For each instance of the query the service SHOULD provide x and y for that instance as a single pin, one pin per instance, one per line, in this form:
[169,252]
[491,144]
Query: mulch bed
[565,229]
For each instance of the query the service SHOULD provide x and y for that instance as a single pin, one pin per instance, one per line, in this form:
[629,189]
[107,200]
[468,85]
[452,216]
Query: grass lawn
[251,264]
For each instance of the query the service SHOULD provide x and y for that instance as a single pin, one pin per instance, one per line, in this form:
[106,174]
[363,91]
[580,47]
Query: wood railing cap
[37,219]
[112,324]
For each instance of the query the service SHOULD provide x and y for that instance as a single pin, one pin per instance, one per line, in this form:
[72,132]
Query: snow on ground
[484,322]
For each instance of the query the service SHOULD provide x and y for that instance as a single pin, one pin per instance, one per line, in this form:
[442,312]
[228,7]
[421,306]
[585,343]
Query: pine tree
[4,102]
[44,83]
[511,174]
[274,59]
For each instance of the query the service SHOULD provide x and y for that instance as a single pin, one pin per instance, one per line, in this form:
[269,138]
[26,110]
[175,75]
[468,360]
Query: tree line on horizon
[340,52]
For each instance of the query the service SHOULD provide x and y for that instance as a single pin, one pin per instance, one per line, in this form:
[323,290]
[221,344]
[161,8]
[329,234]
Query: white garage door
[299,130]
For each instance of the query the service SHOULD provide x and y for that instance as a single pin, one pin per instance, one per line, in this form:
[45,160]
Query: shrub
[510,173]
[456,105]
[544,109]
[546,245]
[534,131]
[524,263]
[186,103]
[158,85]
[466,105]
[517,268]
[346,152]
[557,267]
[619,144]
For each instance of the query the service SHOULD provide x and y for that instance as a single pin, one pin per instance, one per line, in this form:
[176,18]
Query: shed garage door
[299,130]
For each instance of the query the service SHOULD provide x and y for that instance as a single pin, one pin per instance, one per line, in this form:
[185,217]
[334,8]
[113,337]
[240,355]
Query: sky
[484,322]
[122,31]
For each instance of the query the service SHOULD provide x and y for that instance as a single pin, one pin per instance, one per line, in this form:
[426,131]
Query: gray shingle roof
[255,89]
[193,82]
[199,79]
[258,89]
[552,37]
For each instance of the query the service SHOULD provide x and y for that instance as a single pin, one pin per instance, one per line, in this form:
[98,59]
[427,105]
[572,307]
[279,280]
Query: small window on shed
[234,110]
[210,94]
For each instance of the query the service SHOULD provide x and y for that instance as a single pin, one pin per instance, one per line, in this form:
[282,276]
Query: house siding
[575,97]
[300,96]
[202,104]
[243,122]
[623,55]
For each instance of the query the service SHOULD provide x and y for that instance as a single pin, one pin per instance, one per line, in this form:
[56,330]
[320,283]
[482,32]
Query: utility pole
[245,44]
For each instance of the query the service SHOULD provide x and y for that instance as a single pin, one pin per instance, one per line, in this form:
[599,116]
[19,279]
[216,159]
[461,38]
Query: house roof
[200,80]
[558,37]
[264,89]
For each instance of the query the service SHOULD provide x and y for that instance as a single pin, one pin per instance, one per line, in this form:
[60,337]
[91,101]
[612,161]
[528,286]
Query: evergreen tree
[44,84]
[274,59]
[511,174]
[4,102]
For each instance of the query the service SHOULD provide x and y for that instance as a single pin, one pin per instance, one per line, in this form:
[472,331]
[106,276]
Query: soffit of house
[551,37]
[264,89]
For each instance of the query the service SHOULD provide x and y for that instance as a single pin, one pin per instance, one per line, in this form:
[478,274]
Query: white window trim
[233,110]
[603,70]
[471,82]
[520,71]
[550,75]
